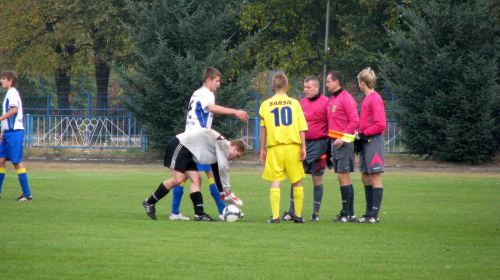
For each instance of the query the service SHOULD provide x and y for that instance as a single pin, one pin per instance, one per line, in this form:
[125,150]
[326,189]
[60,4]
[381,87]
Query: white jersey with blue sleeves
[12,99]
[198,114]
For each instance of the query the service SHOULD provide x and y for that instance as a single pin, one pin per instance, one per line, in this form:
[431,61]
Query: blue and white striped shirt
[12,99]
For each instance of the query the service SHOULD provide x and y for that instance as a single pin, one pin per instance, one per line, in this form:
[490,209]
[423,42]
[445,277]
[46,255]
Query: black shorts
[316,167]
[343,158]
[315,161]
[371,159]
[178,158]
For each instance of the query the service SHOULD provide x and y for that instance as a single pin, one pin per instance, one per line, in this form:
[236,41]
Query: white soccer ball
[231,213]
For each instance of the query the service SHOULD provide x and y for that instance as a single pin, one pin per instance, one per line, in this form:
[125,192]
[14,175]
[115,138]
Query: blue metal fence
[79,120]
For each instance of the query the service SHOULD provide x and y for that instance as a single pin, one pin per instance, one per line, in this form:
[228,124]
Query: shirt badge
[334,108]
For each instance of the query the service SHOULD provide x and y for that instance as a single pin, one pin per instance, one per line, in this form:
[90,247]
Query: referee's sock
[369,199]
[160,193]
[298,198]
[23,180]
[291,208]
[317,198]
[345,193]
[275,202]
[351,201]
[216,195]
[378,193]
[3,171]
[177,193]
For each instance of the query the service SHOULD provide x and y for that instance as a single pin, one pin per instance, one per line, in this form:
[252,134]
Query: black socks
[160,193]
[197,200]
[345,193]
[378,193]
[369,199]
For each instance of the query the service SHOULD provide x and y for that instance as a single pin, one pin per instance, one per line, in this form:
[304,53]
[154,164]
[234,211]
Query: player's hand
[303,154]
[242,115]
[230,198]
[338,143]
[263,155]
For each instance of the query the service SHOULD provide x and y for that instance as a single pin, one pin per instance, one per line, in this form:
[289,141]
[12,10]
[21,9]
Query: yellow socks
[298,198]
[275,202]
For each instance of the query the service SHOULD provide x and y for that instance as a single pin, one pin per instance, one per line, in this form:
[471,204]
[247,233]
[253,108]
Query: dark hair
[211,73]
[10,75]
[239,144]
[336,76]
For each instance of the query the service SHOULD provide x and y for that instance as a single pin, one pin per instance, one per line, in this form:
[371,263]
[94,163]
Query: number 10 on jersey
[283,116]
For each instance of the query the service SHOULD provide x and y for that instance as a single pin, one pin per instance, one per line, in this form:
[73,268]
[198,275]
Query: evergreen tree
[446,78]
[176,41]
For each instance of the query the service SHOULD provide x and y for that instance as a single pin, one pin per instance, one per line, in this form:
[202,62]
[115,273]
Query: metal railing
[83,132]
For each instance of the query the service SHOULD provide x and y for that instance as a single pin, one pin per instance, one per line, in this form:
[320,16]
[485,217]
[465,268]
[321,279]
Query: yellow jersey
[283,118]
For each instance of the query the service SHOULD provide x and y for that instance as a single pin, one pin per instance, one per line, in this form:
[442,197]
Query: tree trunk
[102,70]
[63,91]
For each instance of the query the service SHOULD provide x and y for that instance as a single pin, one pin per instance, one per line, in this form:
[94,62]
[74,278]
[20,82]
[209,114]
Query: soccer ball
[231,213]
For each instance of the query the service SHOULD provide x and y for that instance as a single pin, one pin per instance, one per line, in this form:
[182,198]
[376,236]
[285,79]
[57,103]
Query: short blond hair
[368,77]
[280,82]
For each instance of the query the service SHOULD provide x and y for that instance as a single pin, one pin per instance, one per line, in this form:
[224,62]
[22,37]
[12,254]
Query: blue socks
[3,171]
[216,195]
[23,180]
[177,193]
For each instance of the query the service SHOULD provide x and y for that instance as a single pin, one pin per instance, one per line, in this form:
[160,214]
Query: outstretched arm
[221,110]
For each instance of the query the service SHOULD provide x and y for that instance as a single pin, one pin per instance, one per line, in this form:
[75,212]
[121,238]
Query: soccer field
[86,221]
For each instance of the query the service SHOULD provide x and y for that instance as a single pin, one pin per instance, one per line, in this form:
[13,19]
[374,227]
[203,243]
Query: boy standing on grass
[283,126]
[11,147]
[370,136]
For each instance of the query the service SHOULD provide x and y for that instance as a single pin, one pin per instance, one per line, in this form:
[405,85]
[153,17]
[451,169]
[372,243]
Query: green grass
[87,222]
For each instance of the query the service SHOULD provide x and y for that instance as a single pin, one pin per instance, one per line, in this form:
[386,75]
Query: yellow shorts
[283,160]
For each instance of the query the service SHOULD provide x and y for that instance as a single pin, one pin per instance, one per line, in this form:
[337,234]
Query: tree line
[440,57]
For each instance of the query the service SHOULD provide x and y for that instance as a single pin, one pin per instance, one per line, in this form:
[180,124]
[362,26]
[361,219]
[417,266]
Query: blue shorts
[11,147]
[203,167]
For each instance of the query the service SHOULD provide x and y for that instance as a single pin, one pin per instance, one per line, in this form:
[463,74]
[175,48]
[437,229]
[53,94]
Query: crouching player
[204,146]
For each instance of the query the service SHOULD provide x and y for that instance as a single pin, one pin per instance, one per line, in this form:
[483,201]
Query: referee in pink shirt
[370,135]
[342,111]
[314,107]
